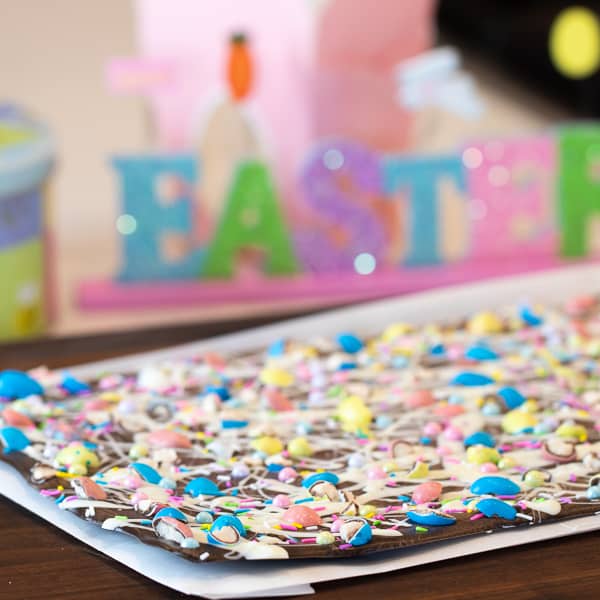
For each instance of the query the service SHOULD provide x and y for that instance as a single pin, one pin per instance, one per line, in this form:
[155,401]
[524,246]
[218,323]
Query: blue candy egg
[593,492]
[349,343]
[437,350]
[146,472]
[492,507]
[13,439]
[16,385]
[512,398]
[383,421]
[204,517]
[363,535]
[489,409]
[480,353]
[493,484]
[430,517]
[232,424]
[277,348]
[226,530]
[315,477]
[480,438]
[529,317]
[470,379]
[74,386]
[190,543]
[170,512]
[167,483]
[219,390]
[204,486]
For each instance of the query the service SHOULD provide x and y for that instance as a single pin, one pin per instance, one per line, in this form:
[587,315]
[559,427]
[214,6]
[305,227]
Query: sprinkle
[477,516]
[344,546]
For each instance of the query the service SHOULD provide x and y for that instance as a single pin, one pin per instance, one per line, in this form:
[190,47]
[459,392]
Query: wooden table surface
[40,561]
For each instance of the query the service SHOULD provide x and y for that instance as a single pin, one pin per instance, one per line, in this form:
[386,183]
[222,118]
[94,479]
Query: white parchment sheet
[245,579]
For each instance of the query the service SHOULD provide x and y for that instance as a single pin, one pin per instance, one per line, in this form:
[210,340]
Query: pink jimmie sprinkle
[319,508]
[312,540]
[572,477]
[394,527]
[477,516]
[344,546]
[288,527]
[50,492]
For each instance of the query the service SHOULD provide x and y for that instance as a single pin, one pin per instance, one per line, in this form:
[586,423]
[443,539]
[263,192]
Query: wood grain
[40,561]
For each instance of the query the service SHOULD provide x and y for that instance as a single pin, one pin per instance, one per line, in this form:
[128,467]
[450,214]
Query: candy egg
[277,401]
[15,418]
[172,529]
[499,486]
[375,473]
[282,501]
[240,470]
[469,379]
[432,429]
[77,458]
[478,455]
[325,538]
[492,507]
[203,517]
[303,515]
[174,513]
[16,384]
[484,323]
[349,343]
[427,492]
[87,488]
[354,414]
[287,474]
[593,492]
[430,518]
[568,430]
[592,461]
[268,445]
[276,377]
[167,438]
[202,486]
[480,353]
[518,421]
[536,478]
[512,397]
[419,399]
[419,471]
[356,532]
[146,472]
[13,439]
[226,530]
[480,438]
[299,447]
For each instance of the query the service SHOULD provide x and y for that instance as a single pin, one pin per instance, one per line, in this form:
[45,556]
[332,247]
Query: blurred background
[163,164]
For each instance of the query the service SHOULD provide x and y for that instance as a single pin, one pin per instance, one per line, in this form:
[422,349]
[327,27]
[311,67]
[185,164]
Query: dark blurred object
[516,35]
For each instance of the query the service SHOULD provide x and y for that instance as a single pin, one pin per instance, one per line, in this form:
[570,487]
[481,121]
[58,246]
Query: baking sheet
[278,578]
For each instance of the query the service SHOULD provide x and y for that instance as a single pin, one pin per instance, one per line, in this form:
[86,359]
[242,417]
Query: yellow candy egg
[516,421]
[77,458]
[478,455]
[506,462]
[577,432]
[534,478]
[419,471]
[529,406]
[354,414]
[367,510]
[484,323]
[299,447]
[268,445]
[390,466]
[395,330]
[276,377]
[138,451]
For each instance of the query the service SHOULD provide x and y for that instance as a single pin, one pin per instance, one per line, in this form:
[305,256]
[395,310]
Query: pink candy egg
[335,526]
[580,304]
[427,492]
[376,473]
[488,468]
[302,515]
[16,419]
[452,433]
[282,501]
[448,410]
[87,488]
[277,401]
[165,438]
[419,399]
[432,429]
[287,474]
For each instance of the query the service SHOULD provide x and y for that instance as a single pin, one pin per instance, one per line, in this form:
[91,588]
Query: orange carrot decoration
[239,68]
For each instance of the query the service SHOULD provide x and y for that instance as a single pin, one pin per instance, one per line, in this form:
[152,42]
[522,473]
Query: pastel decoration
[202,486]
[491,484]
[354,88]
[146,472]
[492,507]
[342,186]
[157,216]
[26,158]
[510,184]
[281,39]
[430,518]
[253,226]
[579,188]
[420,180]
[17,384]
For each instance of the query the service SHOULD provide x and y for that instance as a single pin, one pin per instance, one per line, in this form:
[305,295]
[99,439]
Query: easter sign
[364,214]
